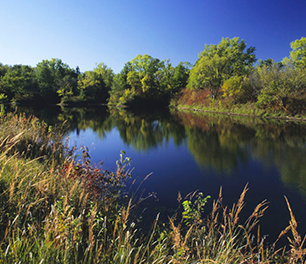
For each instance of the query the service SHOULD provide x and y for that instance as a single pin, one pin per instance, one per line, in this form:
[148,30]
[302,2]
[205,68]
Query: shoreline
[286,118]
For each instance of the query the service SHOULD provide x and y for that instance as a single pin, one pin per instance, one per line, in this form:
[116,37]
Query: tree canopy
[145,78]
[298,53]
[224,72]
[217,63]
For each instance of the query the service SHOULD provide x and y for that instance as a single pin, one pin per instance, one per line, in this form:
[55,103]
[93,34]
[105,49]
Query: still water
[188,151]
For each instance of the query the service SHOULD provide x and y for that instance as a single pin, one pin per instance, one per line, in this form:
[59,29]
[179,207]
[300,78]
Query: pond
[186,152]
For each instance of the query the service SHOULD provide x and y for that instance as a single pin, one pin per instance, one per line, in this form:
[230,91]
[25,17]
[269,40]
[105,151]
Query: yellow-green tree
[95,85]
[237,87]
[218,63]
[298,53]
[208,73]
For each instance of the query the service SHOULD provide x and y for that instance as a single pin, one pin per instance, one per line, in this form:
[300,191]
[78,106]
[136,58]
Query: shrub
[239,88]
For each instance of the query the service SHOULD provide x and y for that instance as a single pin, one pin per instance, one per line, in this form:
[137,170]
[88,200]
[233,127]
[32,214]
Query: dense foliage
[53,81]
[146,80]
[226,72]
[218,63]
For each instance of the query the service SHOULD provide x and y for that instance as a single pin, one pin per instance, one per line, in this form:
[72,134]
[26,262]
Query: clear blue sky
[83,33]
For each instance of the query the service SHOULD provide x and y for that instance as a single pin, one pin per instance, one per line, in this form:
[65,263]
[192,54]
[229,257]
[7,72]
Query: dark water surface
[188,152]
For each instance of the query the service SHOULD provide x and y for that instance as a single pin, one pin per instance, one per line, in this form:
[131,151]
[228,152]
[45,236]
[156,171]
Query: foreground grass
[55,209]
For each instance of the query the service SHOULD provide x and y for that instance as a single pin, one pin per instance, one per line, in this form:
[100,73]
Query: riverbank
[59,208]
[246,110]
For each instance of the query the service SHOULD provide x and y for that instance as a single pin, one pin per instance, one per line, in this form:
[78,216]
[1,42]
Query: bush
[239,88]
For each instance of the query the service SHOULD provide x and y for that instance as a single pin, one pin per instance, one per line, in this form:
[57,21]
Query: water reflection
[145,131]
[225,143]
[216,143]
[221,143]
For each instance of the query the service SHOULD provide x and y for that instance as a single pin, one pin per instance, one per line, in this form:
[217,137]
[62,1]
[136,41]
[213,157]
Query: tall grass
[55,209]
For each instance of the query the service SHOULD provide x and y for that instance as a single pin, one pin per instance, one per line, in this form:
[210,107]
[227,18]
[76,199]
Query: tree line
[226,71]
[52,81]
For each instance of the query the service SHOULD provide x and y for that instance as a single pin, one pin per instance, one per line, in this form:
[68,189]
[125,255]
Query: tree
[65,90]
[120,80]
[238,87]
[105,76]
[164,76]
[239,62]
[267,62]
[180,76]
[298,53]
[3,69]
[134,80]
[281,87]
[208,73]
[172,79]
[218,63]
[148,80]
[95,85]
[145,64]
[18,82]
[139,80]
[88,85]
[51,75]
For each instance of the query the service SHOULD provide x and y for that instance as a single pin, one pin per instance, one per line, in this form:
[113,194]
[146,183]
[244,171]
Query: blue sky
[83,33]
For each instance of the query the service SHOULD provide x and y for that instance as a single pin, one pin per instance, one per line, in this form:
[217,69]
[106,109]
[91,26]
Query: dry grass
[221,238]
[49,213]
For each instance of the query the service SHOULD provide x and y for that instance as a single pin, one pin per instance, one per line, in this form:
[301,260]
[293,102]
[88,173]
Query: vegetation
[53,81]
[146,80]
[226,72]
[224,79]
[218,63]
[57,210]
[220,143]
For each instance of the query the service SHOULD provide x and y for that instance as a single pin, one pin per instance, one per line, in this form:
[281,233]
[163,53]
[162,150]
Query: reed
[56,209]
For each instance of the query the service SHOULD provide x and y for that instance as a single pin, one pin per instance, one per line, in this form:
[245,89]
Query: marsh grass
[55,209]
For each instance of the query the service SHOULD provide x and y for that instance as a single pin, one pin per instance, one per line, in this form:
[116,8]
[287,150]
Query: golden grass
[48,215]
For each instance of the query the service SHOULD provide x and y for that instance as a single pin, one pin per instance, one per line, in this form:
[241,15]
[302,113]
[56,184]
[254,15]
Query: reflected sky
[188,152]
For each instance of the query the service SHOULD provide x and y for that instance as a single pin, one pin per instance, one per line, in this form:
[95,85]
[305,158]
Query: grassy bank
[59,208]
[199,100]
[243,110]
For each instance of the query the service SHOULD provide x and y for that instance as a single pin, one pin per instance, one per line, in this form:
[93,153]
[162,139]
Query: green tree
[18,82]
[65,90]
[298,53]
[95,85]
[105,76]
[139,81]
[146,64]
[208,73]
[218,63]
[281,87]
[268,62]
[120,80]
[134,80]
[148,80]
[3,69]
[51,76]
[238,87]
[181,75]
[88,85]
[240,60]
[172,79]
[164,76]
